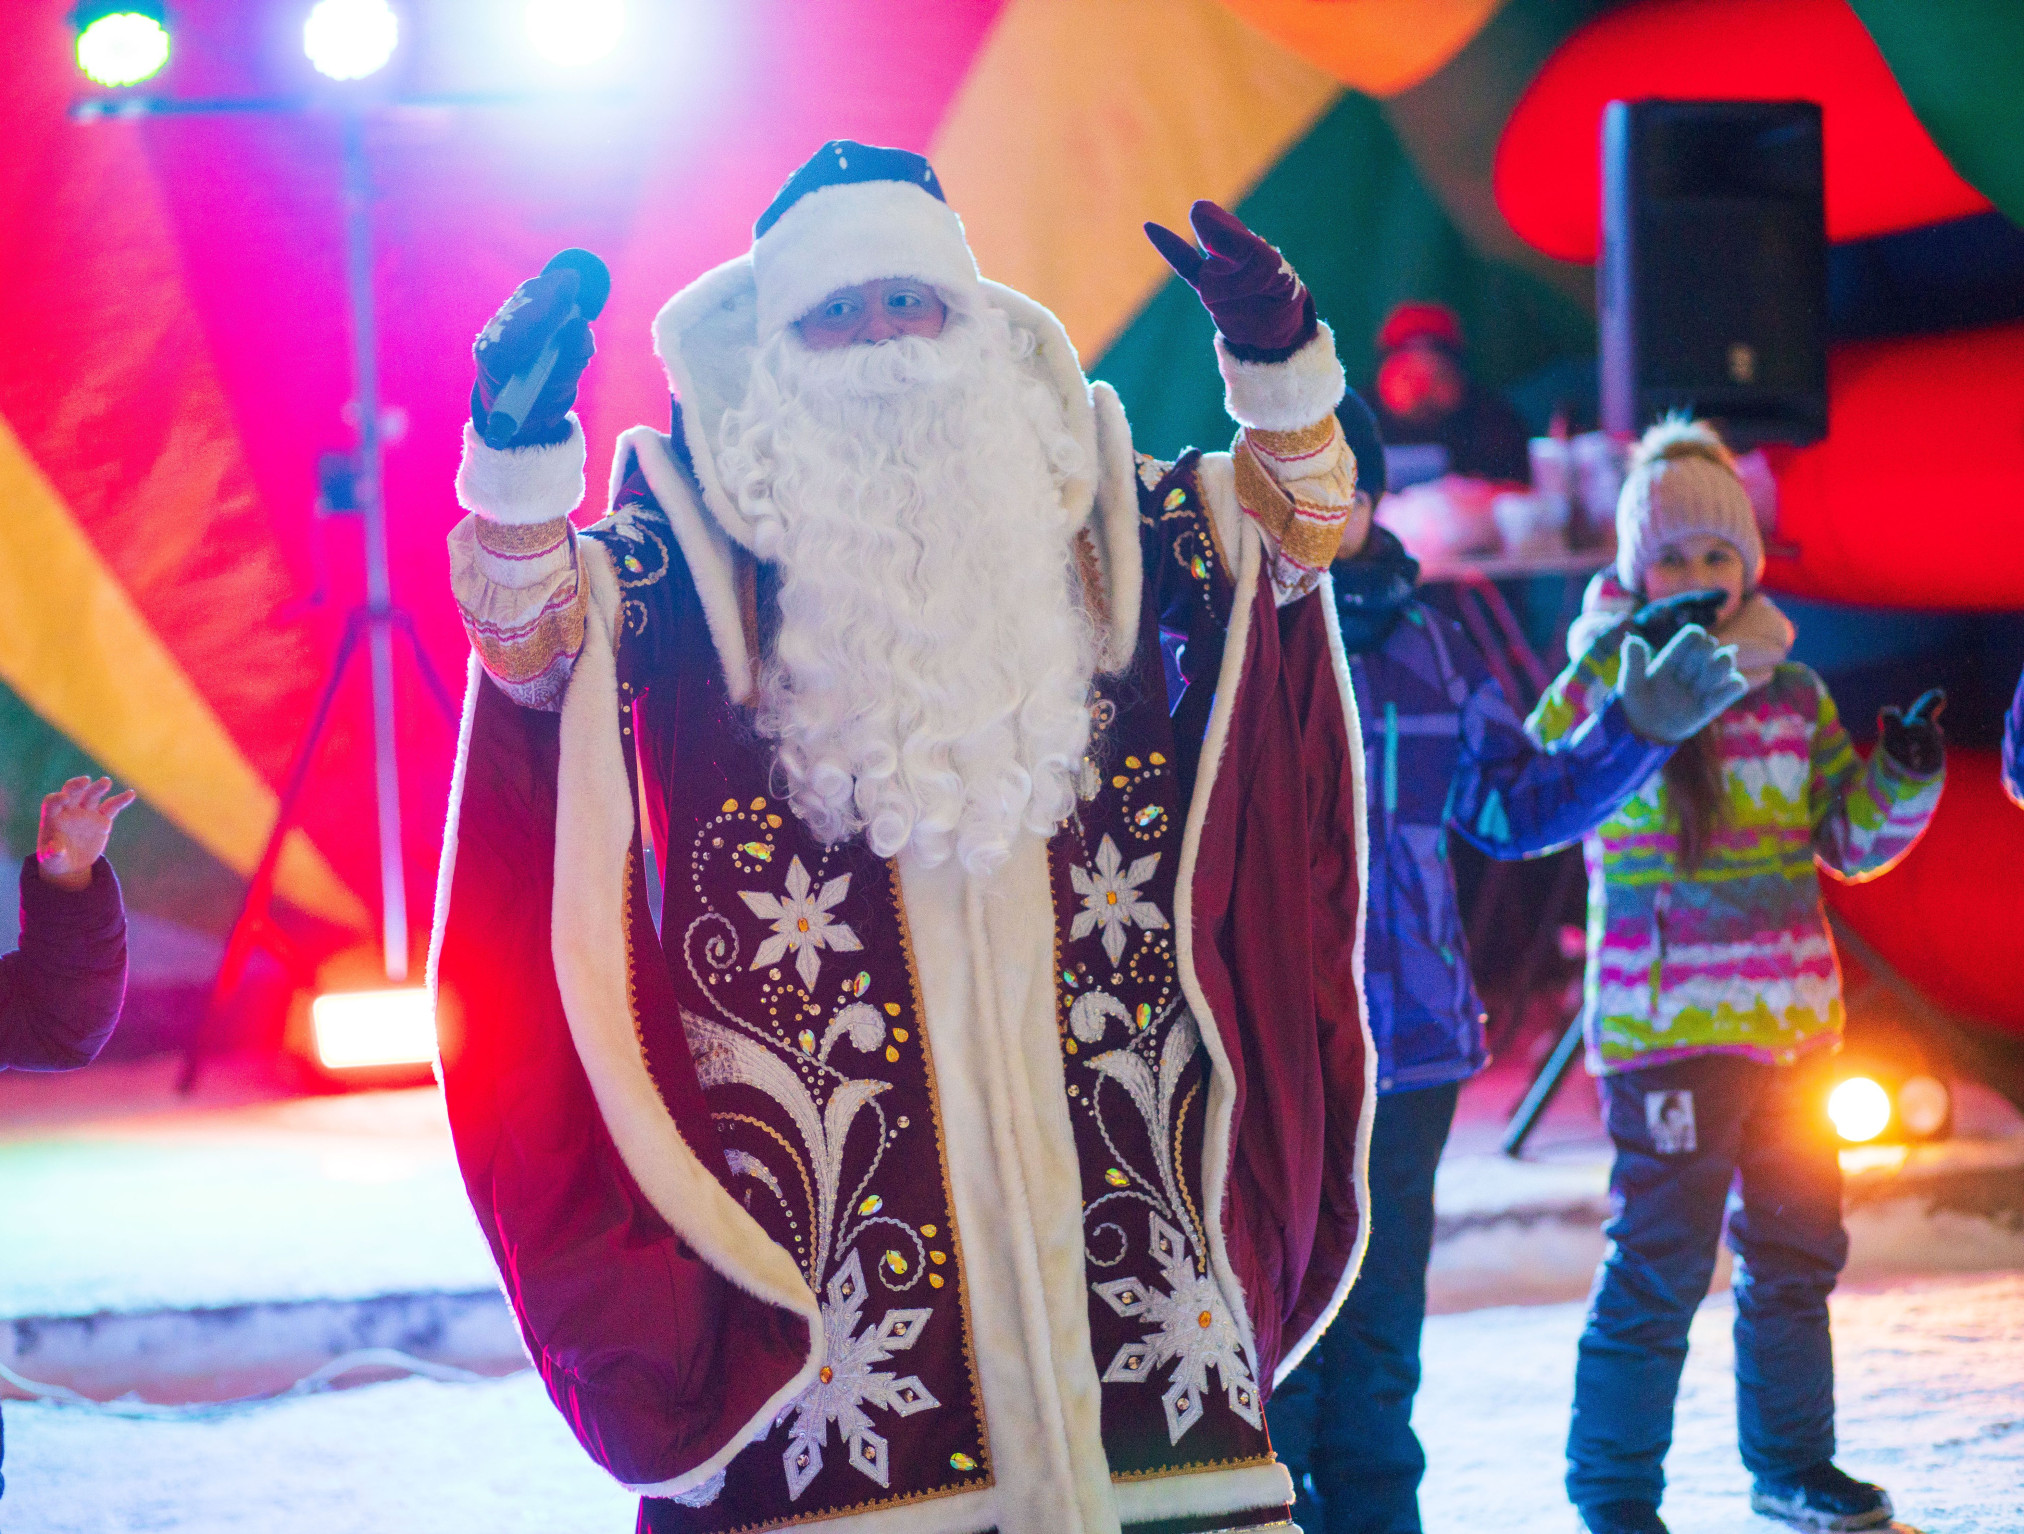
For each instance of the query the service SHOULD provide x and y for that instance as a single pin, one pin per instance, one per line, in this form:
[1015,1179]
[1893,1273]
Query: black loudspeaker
[1712,286]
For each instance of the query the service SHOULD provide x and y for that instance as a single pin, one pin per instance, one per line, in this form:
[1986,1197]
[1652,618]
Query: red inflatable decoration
[1946,918]
[1883,172]
[1916,497]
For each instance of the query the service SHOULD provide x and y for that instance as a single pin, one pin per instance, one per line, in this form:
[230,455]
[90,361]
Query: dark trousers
[1684,1132]
[1343,1419]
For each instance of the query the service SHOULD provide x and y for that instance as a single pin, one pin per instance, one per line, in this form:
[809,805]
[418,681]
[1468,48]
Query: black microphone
[517,396]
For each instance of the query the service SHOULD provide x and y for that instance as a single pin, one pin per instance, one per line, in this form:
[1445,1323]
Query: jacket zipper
[1661,904]
[1391,759]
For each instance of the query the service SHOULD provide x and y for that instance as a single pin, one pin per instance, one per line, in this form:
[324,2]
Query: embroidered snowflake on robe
[1194,1332]
[801,923]
[1110,899]
[848,1384]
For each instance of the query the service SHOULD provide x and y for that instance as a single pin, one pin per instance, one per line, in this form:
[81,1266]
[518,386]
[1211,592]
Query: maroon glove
[513,339]
[1262,310]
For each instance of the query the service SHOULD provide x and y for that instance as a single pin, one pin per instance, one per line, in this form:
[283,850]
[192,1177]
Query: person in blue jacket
[1445,755]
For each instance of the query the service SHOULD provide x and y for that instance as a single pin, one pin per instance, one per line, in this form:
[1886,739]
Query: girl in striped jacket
[1711,995]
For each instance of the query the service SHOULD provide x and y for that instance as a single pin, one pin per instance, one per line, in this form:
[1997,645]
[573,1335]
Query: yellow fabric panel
[78,652]
[1379,47]
[1081,119]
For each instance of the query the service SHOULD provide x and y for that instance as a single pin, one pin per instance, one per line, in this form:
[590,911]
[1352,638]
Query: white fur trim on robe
[1283,396]
[522,484]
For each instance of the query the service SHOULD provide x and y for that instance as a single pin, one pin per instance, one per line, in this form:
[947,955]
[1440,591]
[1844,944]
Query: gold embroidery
[556,635]
[1267,1458]
[1308,535]
[516,540]
[1294,444]
[1311,544]
[1259,493]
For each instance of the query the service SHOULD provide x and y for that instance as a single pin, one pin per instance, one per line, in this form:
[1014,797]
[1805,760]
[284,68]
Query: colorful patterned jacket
[1733,957]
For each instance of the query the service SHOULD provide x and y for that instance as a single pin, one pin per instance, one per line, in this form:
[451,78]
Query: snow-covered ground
[1929,1386]
[1931,1392]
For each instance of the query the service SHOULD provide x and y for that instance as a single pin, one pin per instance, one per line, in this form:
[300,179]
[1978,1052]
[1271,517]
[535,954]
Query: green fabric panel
[1961,65]
[1347,208]
[1451,123]
[161,870]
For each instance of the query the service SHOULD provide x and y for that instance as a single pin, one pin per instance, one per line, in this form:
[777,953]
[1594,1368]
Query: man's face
[873,312]
[1420,382]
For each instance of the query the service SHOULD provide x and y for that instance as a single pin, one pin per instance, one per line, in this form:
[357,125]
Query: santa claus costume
[982,1128]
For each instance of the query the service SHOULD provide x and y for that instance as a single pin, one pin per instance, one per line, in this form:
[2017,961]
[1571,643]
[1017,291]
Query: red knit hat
[1420,322]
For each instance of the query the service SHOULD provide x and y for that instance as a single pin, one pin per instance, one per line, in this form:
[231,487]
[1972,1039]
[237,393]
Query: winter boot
[1822,1498]
[1621,1518]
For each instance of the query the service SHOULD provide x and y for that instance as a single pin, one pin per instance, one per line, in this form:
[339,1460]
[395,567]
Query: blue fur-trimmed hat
[855,213]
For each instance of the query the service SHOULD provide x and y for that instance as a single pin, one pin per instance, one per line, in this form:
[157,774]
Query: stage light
[572,32]
[1859,1108]
[1923,1106]
[363,1029]
[350,39]
[121,44]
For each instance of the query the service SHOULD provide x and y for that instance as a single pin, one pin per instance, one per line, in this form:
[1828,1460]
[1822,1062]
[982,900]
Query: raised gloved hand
[1912,737]
[1261,308]
[1674,697]
[1656,622]
[512,339]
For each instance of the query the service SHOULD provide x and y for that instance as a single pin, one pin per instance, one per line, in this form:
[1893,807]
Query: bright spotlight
[356,1029]
[1860,1109]
[121,45]
[350,39]
[572,32]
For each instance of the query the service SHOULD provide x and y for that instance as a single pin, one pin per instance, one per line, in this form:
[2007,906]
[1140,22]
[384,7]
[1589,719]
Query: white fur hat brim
[840,236]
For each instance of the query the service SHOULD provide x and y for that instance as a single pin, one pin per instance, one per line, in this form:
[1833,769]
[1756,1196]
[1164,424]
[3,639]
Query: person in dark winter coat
[1446,754]
[61,990]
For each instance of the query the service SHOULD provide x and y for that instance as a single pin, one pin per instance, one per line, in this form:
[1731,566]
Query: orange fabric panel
[1081,119]
[1379,47]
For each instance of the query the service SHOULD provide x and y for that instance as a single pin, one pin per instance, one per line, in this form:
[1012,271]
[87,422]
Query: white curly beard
[930,683]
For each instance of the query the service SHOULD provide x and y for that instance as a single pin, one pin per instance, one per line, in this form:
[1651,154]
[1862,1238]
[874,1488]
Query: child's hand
[1673,697]
[76,820]
[1912,738]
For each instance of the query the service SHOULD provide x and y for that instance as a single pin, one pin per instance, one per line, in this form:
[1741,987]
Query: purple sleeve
[1516,799]
[61,991]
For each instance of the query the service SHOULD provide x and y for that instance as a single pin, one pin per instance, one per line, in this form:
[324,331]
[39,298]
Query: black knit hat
[1359,430]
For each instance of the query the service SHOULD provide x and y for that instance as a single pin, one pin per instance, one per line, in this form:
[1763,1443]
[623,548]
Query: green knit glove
[1676,696]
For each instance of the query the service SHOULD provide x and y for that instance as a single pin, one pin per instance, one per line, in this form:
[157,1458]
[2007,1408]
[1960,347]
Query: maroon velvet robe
[793,1064]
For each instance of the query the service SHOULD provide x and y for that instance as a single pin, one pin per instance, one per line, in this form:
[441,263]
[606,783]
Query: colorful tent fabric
[177,348]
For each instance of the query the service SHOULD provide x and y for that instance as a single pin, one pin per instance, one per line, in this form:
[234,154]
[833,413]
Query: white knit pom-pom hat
[1682,481]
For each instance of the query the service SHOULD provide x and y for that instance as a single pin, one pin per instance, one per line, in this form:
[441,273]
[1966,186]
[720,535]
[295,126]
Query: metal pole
[378,587]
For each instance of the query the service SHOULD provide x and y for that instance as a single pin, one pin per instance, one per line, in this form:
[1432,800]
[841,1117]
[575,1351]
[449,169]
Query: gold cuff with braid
[520,540]
[1307,535]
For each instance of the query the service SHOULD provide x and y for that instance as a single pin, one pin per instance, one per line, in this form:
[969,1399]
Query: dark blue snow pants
[1684,1133]
[1344,1417]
